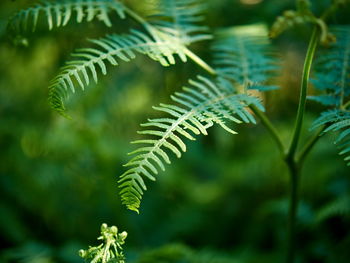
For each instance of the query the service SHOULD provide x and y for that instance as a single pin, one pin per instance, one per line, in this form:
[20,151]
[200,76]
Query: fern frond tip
[59,13]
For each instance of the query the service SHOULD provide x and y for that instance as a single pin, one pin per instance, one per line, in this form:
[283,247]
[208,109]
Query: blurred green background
[224,201]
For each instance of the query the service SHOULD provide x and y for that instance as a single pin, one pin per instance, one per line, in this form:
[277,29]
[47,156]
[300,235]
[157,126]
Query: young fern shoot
[110,250]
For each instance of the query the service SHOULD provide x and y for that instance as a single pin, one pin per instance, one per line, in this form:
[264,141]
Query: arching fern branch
[245,58]
[199,106]
[111,49]
[170,34]
[59,13]
[333,80]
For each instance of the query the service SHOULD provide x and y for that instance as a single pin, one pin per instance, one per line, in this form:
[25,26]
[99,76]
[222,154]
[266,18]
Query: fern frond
[201,105]
[245,58]
[180,18]
[59,13]
[111,49]
[337,121]
[333,70]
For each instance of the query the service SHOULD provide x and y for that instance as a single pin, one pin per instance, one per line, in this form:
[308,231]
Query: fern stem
[294,170]
[290,159]
[308,146]
[199,61]
[269,126]
[302,100]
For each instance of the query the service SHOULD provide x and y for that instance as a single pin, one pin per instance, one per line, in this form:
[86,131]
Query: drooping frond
[180,18]
[244,56]
[332,76]
[199,106]
[337,121]
[59,13]
[111,49]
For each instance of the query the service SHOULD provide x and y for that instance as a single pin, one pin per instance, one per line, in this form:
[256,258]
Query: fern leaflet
[61,12]
[109,49]
[245,59]
[337,121]
[200,106]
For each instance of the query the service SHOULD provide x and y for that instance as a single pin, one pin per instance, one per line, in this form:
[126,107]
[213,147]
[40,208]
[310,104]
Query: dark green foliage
[178,253]
[338,207]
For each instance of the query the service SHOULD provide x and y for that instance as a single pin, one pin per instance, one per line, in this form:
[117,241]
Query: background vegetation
[224,201]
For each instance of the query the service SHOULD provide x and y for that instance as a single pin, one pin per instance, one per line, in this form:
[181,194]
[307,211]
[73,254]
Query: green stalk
[200,62]
[269,126]
[304,86]
[294,166]
[294,170]
[308,146]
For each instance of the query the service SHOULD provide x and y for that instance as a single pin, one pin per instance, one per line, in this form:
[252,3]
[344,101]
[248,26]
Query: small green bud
[123,235]
[114,230]
[103,227]
[82,253]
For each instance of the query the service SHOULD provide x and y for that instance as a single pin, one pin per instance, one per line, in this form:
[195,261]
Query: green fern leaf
[333,71]
[337,121]
[179,18]
[61,12]
[111,49]
[200,106]
[245,58]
